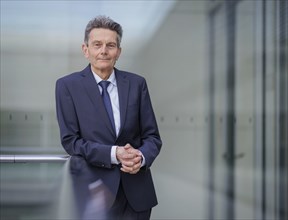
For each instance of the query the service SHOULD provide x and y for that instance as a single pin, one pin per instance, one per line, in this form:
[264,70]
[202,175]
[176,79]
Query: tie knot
[104,84]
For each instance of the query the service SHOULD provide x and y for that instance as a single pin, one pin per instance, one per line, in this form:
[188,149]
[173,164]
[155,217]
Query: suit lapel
[123,93]
[94,94]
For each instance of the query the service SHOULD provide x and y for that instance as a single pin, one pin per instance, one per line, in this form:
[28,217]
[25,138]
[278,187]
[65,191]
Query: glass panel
[29,132]
[244,110]
[220,60]
[270,111]
[30,190]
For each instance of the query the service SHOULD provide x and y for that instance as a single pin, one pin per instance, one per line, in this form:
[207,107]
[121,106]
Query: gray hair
[106,23]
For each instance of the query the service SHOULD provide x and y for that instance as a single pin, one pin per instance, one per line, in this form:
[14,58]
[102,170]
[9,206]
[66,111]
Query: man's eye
[111,46]
[97,45]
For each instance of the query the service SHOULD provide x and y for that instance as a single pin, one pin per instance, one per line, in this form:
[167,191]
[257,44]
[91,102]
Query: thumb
[127,146]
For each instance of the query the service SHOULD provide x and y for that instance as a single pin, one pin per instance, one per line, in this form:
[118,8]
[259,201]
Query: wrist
[114,159]
[117,153]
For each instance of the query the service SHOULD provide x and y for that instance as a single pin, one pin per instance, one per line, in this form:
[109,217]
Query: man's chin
[104,68]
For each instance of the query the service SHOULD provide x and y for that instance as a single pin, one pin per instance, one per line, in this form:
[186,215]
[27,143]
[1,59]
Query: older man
[106,119]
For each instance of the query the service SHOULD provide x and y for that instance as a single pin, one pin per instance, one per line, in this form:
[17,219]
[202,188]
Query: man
[113,129]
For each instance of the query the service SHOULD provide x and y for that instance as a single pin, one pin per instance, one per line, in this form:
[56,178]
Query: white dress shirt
[113,93]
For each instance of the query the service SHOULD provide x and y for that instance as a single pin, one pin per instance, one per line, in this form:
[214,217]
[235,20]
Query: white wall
[173,63]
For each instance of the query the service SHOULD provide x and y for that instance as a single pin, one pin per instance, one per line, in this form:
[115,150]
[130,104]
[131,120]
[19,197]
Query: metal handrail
[32,158]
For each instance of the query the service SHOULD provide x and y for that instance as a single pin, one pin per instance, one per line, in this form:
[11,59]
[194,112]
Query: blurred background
[218,77]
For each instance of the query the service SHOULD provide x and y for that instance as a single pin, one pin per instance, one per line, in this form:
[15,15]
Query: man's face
[102,50]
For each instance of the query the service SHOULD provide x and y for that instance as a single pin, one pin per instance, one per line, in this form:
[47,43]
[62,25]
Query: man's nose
[104,49]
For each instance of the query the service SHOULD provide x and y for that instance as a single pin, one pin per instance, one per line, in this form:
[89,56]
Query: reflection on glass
[29,190]
[52,191]
[91,197]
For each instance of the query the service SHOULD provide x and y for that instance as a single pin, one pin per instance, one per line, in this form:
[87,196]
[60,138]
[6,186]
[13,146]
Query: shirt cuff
[143,160]
[113,155]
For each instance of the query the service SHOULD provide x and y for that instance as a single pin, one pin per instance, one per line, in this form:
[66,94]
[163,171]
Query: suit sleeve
[150,137]
[95,153]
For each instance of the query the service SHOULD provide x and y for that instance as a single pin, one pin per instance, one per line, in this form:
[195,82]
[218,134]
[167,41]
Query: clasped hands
[130,158]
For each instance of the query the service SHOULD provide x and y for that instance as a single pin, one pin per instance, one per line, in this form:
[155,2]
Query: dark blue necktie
[107,101]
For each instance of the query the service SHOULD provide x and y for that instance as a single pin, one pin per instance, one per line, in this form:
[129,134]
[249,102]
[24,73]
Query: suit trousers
[121,210]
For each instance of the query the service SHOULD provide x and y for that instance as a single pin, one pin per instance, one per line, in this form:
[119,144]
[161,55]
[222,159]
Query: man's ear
[85,50]
[119,52]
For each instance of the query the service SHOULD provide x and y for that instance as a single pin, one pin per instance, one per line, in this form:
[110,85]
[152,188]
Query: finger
[128,146]
[135,152]
[137,159]
[126,169]
[128,163]
[137,166]
[129,170]
[135,171]
[128,156]
[123,154]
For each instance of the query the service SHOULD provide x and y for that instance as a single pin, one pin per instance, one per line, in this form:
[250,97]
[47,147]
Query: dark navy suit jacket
[87,133]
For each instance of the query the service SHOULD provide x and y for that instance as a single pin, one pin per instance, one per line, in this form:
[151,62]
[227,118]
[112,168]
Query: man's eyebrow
[96,41]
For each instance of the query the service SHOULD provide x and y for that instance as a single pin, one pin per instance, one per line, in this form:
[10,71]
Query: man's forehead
[99,34]
[102,32]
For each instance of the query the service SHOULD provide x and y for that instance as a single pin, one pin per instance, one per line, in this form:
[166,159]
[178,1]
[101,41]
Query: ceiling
[44,25]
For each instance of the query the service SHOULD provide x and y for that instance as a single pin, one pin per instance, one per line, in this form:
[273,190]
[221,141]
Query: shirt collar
[111,79]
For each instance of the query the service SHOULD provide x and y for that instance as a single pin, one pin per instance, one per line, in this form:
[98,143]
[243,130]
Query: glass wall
[248,109]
